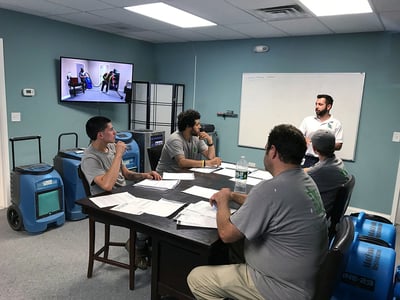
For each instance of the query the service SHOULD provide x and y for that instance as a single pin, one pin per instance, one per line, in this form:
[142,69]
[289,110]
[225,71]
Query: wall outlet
[396,137]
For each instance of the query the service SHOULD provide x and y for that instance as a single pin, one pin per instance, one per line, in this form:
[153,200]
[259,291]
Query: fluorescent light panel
[166,13]
[337,7]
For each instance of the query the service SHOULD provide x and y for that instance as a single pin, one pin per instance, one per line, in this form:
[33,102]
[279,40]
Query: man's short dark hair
[187,119]
[289,142]
[96,124]
[328,99]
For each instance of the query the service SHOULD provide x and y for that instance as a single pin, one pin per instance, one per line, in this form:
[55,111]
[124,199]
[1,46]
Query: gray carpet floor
[53,265]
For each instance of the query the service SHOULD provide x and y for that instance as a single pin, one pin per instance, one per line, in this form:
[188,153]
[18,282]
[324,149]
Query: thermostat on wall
[28,92]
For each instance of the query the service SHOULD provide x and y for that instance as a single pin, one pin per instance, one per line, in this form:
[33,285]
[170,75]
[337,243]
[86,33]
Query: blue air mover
[66,162]
[131,157]
[369,271]
[37,195]
[375,226]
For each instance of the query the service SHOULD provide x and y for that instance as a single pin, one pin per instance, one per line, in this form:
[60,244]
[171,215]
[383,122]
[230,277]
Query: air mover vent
[282,12]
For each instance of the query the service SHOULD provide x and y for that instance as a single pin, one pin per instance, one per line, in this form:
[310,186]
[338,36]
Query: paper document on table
[158,184]
[199,214]
[180,176]
[226,172]
[250,180]
[261,174]
[200,191]
[197,220]
[138,206]
[226,165]
[205,169]
[164,207]
[112,199]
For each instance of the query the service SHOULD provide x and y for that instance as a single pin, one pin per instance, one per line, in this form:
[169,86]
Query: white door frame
[5,197]
[395,217]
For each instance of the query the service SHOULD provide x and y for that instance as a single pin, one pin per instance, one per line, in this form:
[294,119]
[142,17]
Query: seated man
[329,173]
[104,169]
[283,224]
[184,147]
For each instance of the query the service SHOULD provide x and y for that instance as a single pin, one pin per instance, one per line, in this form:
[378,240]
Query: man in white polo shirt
[322,120]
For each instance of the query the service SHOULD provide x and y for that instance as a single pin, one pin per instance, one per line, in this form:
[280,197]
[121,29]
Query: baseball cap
[323,141]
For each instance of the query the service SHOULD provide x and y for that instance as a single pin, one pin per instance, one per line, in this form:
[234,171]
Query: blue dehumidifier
[37,195]
[66,163]
[131,158]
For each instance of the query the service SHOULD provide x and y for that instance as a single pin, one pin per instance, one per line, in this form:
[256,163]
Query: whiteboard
[269,99]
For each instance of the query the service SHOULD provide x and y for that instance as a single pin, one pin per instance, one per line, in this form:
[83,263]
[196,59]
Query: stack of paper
[112,199]
[179,176]
[200,214]
[138,206]
[158,184]
[205,169]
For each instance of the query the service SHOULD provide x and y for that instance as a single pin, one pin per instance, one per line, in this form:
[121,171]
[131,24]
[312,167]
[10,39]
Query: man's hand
[204,136]
[120,148]
[221,198]
[152,175]
[216,161]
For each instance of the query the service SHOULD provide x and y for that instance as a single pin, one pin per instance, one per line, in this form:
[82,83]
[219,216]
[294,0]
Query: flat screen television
[48,202]
[97,81]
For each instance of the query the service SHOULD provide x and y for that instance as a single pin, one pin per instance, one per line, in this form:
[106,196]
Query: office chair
[75,85]
[93,255]
[154,154]
[335,261]
[341,203]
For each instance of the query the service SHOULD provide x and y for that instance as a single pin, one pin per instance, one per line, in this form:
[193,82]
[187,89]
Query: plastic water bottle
[241,175]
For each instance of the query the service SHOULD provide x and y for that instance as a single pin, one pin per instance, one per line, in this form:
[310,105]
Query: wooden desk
[176,250]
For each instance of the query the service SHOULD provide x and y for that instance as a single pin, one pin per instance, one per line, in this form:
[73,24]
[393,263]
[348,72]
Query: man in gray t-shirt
[329,173]
[186,148]
[104,169]
[283,224]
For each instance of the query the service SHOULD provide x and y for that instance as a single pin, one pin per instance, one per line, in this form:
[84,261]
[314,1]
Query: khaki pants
[219,282]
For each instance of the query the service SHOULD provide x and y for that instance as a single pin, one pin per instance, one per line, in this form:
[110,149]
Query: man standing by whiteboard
[322,120]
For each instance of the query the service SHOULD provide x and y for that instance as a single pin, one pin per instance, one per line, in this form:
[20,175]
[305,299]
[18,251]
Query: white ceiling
[236,19]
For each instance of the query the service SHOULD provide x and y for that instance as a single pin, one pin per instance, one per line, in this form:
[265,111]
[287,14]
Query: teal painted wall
[211,72]
[213,84]
[32,48]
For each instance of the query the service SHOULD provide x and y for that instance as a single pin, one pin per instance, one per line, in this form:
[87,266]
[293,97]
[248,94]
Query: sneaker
[142,257]
[141,262]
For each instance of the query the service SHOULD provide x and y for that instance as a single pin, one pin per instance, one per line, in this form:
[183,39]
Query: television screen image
[48,202]
[88,80]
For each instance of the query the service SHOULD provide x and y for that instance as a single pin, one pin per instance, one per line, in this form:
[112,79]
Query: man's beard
[322,112]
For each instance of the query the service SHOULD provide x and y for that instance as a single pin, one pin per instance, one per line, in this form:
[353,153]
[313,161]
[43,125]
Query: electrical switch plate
[396,137]
[15,117]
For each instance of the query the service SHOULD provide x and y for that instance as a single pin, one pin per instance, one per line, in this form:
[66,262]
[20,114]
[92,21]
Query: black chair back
[336,260]
[154,154]
[85,183]
[341,203]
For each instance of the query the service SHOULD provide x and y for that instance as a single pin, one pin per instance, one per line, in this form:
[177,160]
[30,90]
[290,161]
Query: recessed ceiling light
[337,7]
[166,13]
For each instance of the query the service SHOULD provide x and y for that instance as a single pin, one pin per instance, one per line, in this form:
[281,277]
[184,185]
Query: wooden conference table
[176,250]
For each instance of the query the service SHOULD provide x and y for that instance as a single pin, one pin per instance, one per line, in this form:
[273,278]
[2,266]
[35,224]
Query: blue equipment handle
[67,133]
